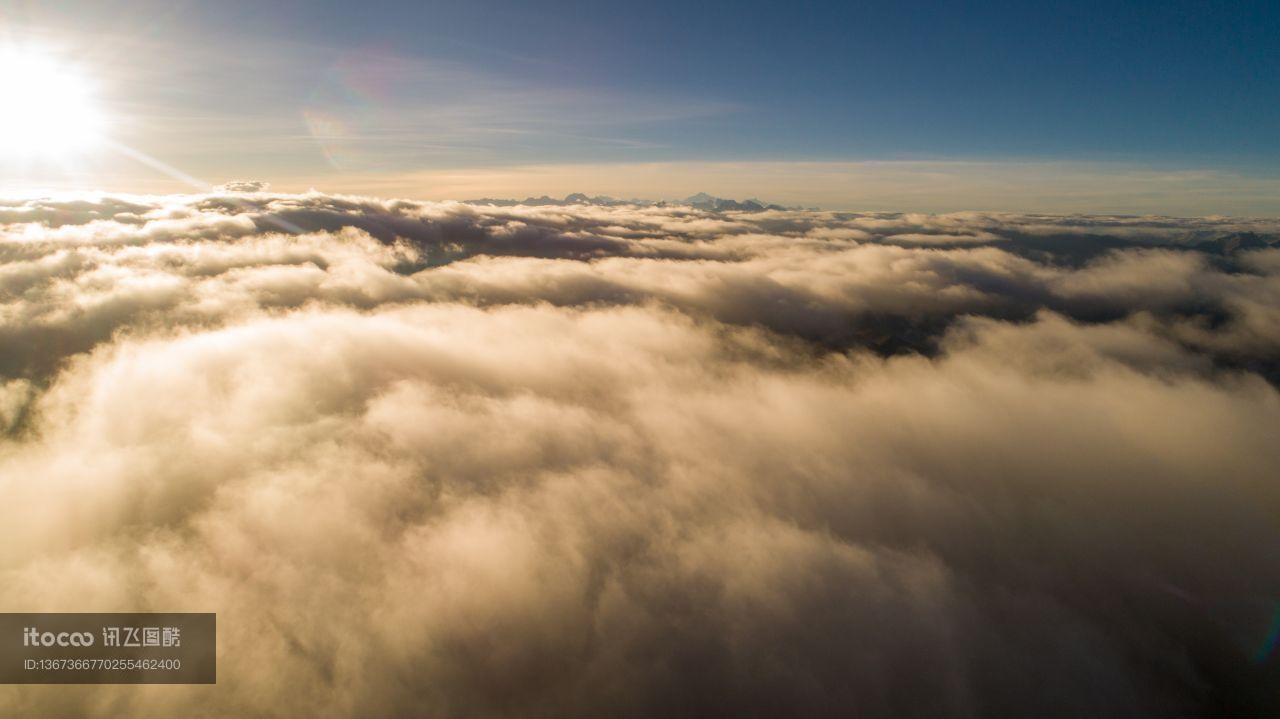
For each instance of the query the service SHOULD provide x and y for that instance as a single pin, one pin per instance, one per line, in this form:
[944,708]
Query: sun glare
[48,108]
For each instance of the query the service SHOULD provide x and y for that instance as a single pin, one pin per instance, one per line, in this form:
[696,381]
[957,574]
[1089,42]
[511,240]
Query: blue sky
[341,93]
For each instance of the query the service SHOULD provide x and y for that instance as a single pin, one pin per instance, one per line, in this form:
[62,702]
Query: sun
[49,109]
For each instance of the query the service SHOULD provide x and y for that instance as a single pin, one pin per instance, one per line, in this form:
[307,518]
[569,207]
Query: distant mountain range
[700,201]
[1236,242]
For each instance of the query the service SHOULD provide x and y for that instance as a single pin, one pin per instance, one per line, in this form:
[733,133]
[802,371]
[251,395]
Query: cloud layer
[434,459]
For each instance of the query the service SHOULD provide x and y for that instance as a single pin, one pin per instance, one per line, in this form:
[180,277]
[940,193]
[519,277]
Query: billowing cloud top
[437,459]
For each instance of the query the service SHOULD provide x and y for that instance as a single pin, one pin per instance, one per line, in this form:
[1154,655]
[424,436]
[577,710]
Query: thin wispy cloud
[391,113]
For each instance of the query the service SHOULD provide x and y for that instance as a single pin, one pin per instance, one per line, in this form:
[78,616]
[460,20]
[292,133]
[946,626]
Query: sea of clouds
[450,460]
